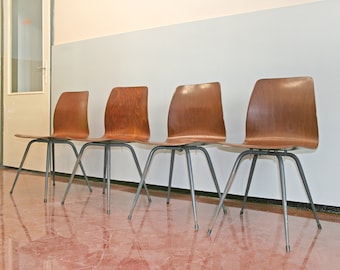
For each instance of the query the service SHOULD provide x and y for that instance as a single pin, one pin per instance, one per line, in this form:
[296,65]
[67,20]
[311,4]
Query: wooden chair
[195,118]
[281,118]
[126,121]
[69,123]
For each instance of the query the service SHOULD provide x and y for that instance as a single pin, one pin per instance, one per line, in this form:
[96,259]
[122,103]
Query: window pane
[26,45]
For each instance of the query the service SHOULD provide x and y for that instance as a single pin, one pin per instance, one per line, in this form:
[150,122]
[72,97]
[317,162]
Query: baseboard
[300,205]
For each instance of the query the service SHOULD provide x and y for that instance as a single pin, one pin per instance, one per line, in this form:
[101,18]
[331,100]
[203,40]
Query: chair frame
[255,153]
[107,168]
[50,158]
[187,149]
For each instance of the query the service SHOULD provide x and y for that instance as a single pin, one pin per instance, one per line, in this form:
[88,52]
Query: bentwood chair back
[70,118]
[126,114]
[282,114]
[196,114]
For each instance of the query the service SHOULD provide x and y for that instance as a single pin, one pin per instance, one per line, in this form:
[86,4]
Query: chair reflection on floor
[50,243]
[281,118]
[195,119]
[69,123]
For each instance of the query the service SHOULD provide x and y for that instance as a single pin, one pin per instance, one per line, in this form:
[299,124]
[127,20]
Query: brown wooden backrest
[70,116]
[126,114]
[196,112]
[283,110]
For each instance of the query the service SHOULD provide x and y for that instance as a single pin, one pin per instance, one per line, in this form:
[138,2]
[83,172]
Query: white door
[26,78]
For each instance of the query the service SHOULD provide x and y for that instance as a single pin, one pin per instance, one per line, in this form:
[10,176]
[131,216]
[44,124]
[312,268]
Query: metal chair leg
[80,164]
[142,181]
[226,190]
[105,172]
[192,188]
[21,164]
[251,173]
[138,168]
[284,200]
[213,174]
[108,175]
[74,171]
[304,181]
[48,160]
[172,159]
[53,162]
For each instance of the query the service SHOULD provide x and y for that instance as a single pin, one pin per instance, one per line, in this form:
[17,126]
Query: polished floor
[80,235]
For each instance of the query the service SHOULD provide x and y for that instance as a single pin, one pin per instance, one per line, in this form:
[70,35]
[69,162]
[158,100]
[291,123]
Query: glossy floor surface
[80,235]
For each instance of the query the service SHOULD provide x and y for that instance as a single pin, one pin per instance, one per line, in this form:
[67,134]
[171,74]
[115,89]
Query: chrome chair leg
[21,164]
[105,172]
[74,171]
[192,188]
[227,187]
[48,160]
[304,181]
[172,159]
[213,174]
[142,181]
[250,178]
[108,176]
[284,200]
[138,168]
[53,162]
[80,164]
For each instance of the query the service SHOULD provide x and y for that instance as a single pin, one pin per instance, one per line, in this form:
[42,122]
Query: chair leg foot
[209,232]
[197,227]
[288,248]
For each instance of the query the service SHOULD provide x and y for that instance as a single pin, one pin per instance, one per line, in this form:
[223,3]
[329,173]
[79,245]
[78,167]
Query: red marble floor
[80,235]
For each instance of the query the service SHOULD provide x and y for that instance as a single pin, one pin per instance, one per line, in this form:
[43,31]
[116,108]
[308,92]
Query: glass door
[26,78]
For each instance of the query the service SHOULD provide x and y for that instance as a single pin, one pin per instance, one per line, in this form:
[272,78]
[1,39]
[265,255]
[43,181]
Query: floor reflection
[80,235]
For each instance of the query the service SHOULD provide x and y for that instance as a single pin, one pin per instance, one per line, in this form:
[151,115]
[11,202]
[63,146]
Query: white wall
[235,50]
[84,19]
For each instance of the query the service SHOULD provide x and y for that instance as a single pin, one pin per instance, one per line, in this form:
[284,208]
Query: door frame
[12,147]
[1,81]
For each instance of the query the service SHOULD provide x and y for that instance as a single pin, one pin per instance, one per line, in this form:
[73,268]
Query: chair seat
[125,138]
[272,143]
[24,136]
[186,141]
[194,140]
